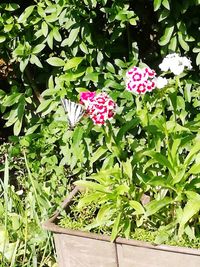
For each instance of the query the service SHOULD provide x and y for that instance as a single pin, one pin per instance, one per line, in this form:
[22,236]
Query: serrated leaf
[56,61]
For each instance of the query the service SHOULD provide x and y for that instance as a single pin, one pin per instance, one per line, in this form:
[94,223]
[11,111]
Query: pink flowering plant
[137,152]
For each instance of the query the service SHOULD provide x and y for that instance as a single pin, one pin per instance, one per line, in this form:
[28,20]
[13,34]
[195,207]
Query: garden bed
[77,248]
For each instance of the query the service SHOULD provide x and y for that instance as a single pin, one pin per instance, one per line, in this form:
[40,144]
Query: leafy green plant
[160,165]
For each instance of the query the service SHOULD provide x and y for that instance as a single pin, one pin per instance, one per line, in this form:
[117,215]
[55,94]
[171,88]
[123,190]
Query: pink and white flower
[86,97]
[100,107]
[139,80]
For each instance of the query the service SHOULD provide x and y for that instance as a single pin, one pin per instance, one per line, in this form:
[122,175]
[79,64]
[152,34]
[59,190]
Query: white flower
[175,63]
[160,82]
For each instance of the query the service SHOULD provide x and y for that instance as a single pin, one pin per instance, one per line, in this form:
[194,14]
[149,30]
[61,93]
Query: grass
[23,206]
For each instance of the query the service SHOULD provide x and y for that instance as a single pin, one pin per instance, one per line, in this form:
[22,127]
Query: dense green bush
[51,49]
[84,45]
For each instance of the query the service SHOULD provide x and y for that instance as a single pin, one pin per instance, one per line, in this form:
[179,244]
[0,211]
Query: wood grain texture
[73,251]
[132,256]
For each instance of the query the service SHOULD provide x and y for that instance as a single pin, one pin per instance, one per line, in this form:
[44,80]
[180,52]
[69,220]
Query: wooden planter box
[81,249]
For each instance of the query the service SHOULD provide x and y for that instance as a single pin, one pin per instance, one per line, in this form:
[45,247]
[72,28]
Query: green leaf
[116,227]
[160,159]
[35,60]
[182,42]
[88,199]
[24,16]
[126,127]
[98,154]
[157,4]
[17,127]
[128,168]
[50,39]
[174,150]
[11,99]
[194,150]
[167,35]
[23,64]
[91,77]
[104,214]
[155,205]
[2,38]
[198,59]
[11,7]
[92,186]
[195,169]
[8,27]
[38,48]
[73,63]
[110,67]
[137,207]
[45,29]
[43,105]
[72,37]
[56,61]
[84,48]
[191,208]
[127,228]
[173,44]
[165,3]
[57,35]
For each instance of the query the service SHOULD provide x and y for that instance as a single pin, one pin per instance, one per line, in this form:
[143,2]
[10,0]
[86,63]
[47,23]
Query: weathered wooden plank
[74,251]
[132,256]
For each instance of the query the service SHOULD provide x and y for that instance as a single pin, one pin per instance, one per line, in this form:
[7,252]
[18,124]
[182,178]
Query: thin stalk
[25,238]
[42,262]
[5,187]
[31,179]
[12,264]
[147,116]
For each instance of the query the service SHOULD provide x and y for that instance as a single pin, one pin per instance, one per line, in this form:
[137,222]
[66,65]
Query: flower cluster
[100,107]
[175,63]
[140,81]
